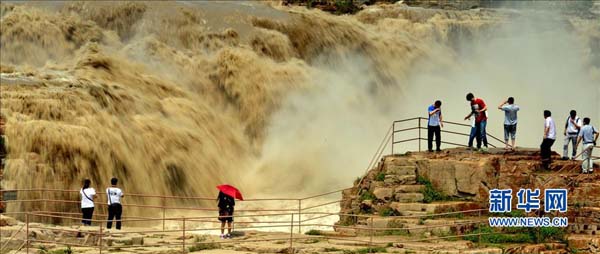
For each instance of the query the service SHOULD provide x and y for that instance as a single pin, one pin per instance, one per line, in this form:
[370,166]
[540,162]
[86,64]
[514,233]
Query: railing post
[419,120]
[292,236]
[371,237]
[45,200]
[100,235]
[163,212]
[183,240]
[479,236]
[299,216]
[393,134]
[27,233]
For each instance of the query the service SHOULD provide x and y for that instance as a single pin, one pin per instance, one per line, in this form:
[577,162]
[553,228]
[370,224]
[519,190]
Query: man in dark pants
[434,125]
[549,138]
[226,204]
[115,209]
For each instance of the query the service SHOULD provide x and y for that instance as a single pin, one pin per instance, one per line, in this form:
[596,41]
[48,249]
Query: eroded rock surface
[421,185]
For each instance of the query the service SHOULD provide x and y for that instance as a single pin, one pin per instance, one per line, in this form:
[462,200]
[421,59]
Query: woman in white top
[87,202]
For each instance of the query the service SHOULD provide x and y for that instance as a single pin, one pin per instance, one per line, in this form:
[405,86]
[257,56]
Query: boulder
[409,197]
[483,251]
[435,207]
[41,234]
[401,170]
[383,193]
[391,180]
[468,178]
[348,232]
[409,188]
[408,179]
[401,207]
[584,242]
[439,172]
[379,222]
[137,240]
[398,161]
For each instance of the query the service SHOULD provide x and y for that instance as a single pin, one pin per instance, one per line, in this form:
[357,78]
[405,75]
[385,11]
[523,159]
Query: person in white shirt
[548,139]
[87,202]
[572,127]
[114,195]
[589,136]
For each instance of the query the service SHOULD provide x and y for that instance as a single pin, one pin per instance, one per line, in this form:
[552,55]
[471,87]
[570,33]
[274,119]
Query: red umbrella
[231,191]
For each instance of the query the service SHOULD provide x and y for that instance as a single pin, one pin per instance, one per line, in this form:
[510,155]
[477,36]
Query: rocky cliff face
[419,184]
[458,174]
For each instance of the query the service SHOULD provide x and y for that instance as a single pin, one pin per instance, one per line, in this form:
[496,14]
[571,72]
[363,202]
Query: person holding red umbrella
[226,202]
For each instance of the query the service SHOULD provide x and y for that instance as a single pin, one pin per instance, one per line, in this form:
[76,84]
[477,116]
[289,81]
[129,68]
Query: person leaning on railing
[479,111]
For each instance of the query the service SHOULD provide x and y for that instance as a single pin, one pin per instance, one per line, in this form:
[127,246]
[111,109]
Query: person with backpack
[548,139]
[510,121]
[589,135]
[434,125]
[225,204]
[87,202]
[114,196]
[572,127]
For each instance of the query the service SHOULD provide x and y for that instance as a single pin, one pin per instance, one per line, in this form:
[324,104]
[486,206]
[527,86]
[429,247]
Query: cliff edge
[409,192]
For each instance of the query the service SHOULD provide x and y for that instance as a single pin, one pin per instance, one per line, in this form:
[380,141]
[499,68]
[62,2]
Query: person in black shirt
[225,204]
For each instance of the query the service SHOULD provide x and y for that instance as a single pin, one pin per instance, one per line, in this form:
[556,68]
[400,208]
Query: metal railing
[419,126]
[264,205]
[596,151]
[364,236]
[295,217]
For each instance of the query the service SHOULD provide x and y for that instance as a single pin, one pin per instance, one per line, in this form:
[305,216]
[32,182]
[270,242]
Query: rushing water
[176,97]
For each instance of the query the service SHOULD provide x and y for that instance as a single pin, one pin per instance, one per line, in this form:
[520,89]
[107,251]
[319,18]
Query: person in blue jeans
[478,110]
[473,134]
[434,125]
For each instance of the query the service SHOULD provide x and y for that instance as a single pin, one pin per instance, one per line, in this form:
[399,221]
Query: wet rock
[7,221]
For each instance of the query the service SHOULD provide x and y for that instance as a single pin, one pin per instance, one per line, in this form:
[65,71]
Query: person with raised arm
[434,125]
[510,122]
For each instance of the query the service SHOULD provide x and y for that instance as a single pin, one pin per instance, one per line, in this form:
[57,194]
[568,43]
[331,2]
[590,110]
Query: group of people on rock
[577,131]
[114,195]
